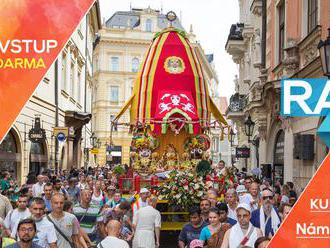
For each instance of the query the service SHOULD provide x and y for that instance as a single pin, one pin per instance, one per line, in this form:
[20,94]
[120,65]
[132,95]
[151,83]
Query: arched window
[9,156]
[38,158]
[149,25]
[135,64]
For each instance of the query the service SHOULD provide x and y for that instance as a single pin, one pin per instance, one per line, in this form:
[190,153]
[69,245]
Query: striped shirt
[87,218]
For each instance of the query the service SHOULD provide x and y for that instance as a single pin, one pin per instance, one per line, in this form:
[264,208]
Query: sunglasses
[268,197]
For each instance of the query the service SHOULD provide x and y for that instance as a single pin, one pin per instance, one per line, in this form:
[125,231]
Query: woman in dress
[213,234]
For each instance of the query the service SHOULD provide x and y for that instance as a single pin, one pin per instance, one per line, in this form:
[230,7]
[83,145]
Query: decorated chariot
[170,121]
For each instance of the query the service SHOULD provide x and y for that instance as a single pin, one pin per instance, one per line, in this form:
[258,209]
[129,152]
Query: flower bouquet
[183,189]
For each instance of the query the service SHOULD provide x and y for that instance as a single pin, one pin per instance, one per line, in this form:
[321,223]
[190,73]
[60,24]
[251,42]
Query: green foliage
[203,168]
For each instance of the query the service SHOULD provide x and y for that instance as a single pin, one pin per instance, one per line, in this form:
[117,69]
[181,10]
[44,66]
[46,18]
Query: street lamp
[249,127]
[324,48]
[232,137]
[96,143]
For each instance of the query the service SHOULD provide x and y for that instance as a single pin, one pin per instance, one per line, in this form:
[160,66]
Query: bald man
[113,229]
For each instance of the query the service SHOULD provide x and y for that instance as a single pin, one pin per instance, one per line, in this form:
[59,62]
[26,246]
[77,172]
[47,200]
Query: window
[135,65]
[64,71]
[72,80]
[149,25]
[114,90]
[312,14]
[78,87]
[114,64]
[281,15]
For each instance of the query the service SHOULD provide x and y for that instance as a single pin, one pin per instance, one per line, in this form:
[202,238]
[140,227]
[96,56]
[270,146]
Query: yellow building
[121,47]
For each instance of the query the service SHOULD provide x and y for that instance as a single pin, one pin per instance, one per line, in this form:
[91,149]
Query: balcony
[235,42]
[236,106]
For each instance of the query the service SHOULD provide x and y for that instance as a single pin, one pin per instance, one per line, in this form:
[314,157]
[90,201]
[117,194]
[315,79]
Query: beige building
[121,47]
[62,99]
[270,43]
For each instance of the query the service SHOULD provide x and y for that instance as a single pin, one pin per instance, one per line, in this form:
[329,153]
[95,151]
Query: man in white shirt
[38,188]
[112,240]
[147,223]
[46,235]
[142,202]
[16,215]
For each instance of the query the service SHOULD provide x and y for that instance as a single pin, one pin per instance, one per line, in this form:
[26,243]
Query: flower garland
[182,189]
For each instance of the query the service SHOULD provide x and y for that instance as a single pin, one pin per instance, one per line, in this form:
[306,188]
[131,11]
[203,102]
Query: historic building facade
[285,37]
[121,47]
[62,99]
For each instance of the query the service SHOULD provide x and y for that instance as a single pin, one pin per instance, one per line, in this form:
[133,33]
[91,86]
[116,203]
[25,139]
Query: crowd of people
[85,208]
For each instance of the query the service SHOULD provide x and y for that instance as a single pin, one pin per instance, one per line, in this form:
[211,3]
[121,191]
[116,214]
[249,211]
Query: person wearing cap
[142,201]
[243,195]
[243,233]
[196,243]
[266,217]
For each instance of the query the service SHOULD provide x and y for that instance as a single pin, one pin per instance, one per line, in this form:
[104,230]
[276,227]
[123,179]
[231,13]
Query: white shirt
[37,189]
[146,220]
[246,198]
[45,233]
[13,218]
[141,204]
[110,242]
[232,213]
[236,236]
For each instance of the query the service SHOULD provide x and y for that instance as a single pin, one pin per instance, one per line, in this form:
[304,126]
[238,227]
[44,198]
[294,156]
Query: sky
[211,21]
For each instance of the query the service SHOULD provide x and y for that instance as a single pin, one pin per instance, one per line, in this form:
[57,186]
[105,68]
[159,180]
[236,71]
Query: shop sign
[36,133]
[94,151]
[61,133]
[242,152]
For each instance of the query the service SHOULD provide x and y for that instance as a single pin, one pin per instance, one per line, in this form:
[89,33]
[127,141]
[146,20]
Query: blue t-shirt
[231,221]
[205,233]
[48,204]
[255,220]
[16,245]
[189,233]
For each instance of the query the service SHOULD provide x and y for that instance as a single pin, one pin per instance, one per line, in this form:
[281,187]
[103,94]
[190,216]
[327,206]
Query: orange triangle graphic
[308,224]
[31,23]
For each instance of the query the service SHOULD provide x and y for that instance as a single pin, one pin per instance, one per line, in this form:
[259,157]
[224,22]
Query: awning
[123,110]
[216,113]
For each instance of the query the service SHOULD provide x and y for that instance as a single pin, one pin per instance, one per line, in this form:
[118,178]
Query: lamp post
[96,143]
[232,139]
[324,49]
[249,128]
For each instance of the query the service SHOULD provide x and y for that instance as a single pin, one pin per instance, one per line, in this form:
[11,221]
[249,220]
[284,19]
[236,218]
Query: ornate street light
[95,142]
[232,137]
[324,48]
[249,127]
